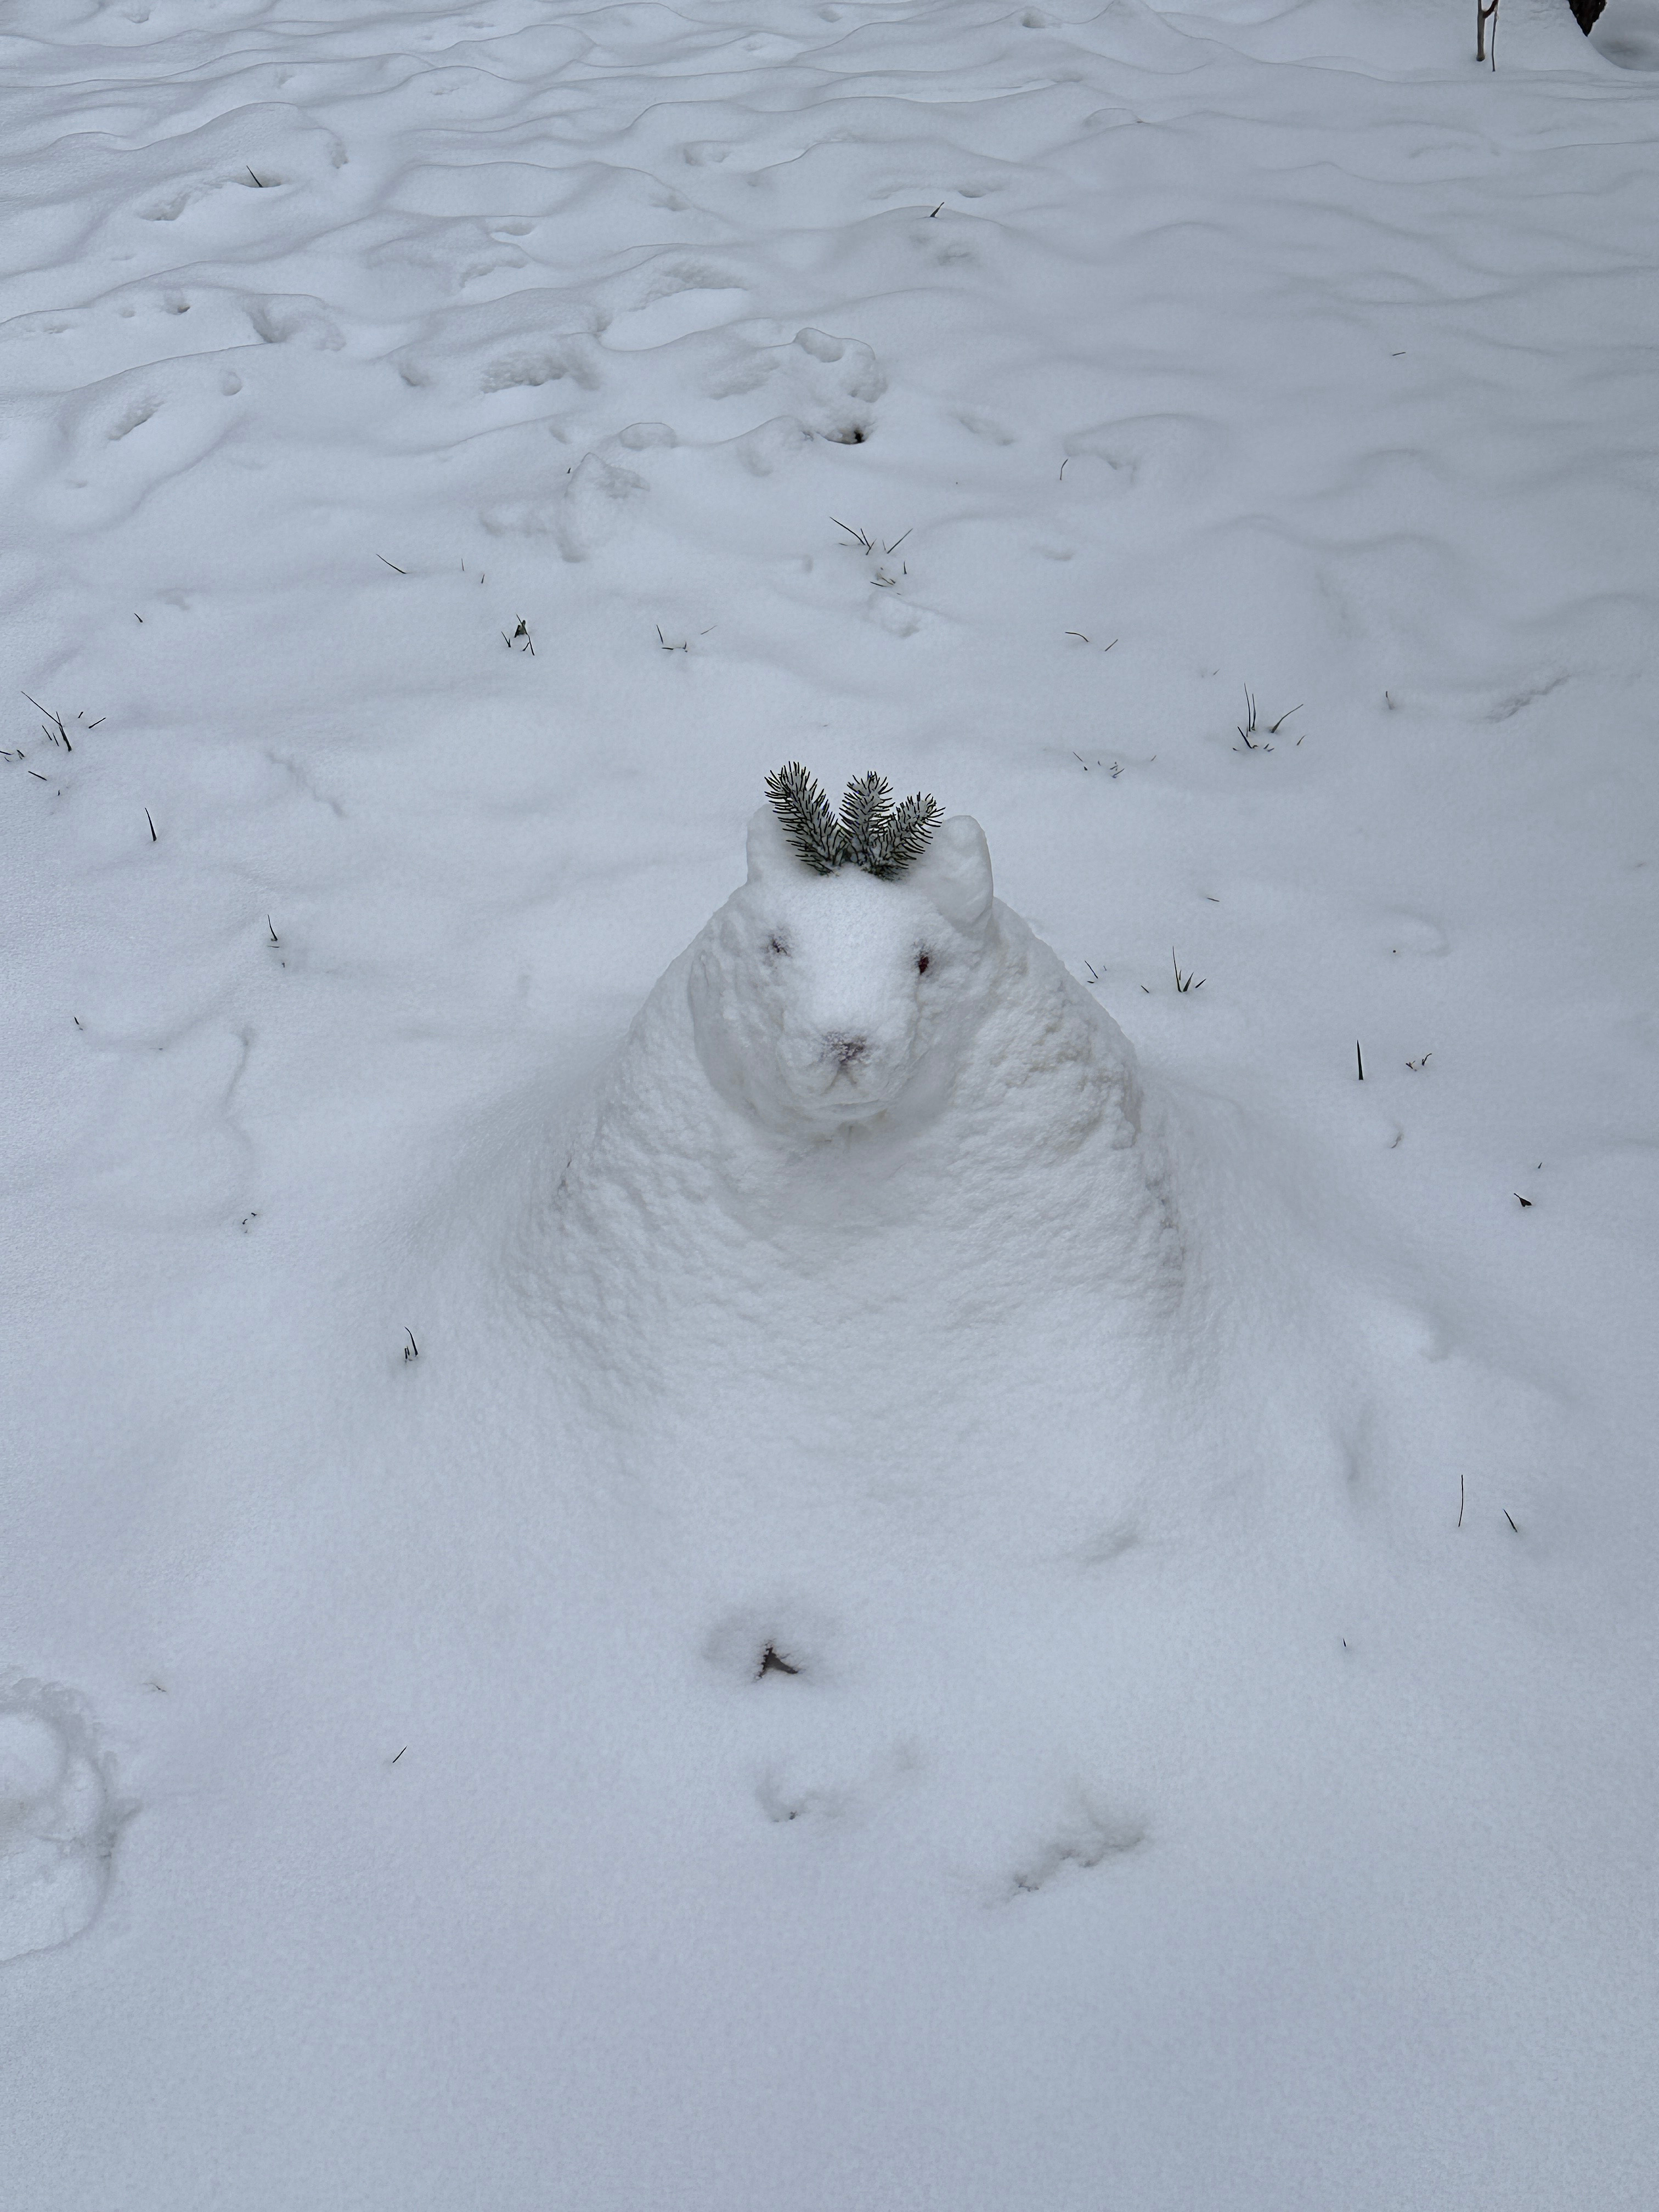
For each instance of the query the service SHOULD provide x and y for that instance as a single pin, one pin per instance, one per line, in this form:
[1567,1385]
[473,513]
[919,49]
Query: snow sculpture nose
[846,1051]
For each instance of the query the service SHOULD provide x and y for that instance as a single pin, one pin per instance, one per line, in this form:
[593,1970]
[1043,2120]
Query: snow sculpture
[865,1136]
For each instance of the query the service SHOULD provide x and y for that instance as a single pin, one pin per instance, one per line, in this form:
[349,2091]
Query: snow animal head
[825,994]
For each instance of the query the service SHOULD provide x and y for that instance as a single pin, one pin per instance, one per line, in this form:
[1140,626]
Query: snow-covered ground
[449,457]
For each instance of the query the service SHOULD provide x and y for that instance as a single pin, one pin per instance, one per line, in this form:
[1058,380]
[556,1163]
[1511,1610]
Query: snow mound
[58,1821]
[869,1165]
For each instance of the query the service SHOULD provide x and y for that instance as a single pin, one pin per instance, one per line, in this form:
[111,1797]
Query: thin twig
[1486,11]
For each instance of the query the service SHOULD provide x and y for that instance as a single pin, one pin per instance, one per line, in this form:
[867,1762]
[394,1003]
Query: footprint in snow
[829,385]
[581,513]
[60,1821]
[122,436]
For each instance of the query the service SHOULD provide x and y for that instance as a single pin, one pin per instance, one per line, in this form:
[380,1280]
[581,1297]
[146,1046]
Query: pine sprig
[865,812]
[905,836]
[872,834]
[800,806]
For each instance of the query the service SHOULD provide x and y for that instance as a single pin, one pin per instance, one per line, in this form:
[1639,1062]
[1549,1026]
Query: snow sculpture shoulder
[865,1094]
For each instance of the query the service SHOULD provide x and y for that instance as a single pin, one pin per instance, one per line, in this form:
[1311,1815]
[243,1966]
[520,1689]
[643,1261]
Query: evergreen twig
[907,834]
[865,812]
[799,804]
[871,833]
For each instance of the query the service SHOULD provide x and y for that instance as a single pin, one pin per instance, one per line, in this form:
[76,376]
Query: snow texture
[729,1570]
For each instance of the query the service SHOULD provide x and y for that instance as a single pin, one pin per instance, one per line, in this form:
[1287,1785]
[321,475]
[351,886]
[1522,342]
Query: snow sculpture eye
[780,947]
[922,959]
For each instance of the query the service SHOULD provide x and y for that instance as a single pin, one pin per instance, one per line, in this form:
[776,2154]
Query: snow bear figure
[865,1123]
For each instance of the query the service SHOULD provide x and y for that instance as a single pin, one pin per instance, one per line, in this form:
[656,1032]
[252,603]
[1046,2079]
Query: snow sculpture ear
[770,854]
[956,872]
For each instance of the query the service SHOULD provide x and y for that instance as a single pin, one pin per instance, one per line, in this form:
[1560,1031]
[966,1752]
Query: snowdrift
[1050,1602]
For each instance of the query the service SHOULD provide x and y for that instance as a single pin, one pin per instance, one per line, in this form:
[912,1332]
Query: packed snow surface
[666,1561]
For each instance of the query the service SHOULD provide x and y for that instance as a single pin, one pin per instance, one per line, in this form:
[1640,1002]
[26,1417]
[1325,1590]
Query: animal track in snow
[1087,1841]
[124,435]
[783,1800]
[59,1818]
[1166,452]
[785,1791]
[1108,1543]
[581,513]
[133,415]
